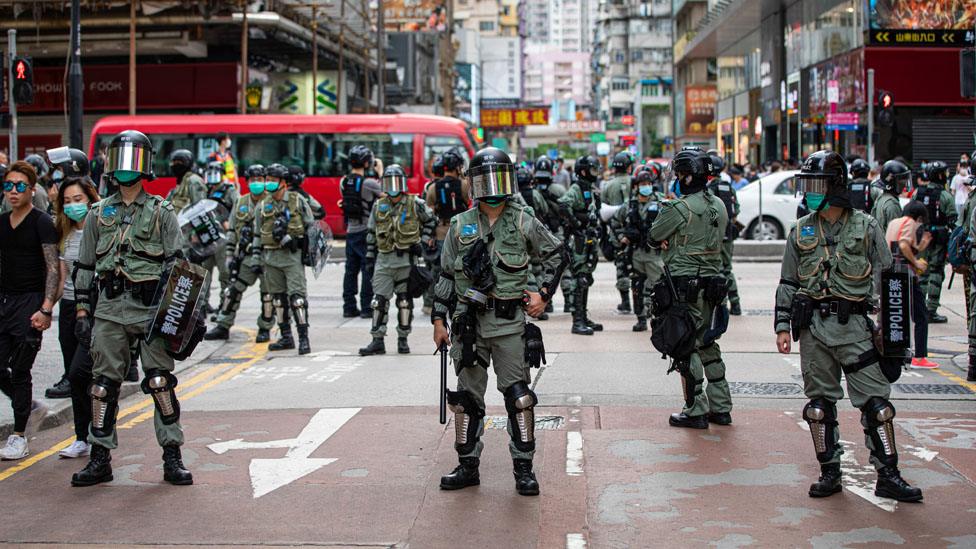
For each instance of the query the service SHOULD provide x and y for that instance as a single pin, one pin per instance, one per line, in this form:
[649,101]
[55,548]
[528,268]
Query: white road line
[574,454]
[575,541]
[859,479]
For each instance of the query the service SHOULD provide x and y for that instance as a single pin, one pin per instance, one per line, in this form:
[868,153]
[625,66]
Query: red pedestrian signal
[886,109]
[23,81]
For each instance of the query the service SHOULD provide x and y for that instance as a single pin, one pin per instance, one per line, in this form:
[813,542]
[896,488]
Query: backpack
[450,202]
[931,198]
[959,247]
[860,193]
[353,205]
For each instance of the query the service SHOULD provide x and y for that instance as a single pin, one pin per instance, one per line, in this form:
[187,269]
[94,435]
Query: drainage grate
[542,423]
[931,389]
[224,360]
[766,389]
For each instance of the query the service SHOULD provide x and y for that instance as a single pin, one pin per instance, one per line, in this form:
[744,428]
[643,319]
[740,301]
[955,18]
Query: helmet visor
[131,157]
[59,155]
[493,180]
[394,183]
[813,183]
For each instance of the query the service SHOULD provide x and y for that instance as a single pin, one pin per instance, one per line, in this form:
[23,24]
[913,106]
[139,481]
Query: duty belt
[835,306]
[495,303]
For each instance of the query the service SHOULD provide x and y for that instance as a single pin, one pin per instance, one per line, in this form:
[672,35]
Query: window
[330,152]
[786,187]
[438,144]
[486,26]
[164,145]
[620,85]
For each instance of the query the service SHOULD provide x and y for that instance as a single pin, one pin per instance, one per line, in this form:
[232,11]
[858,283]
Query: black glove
[257,268]
[535,349]
[417,250]
[83,330]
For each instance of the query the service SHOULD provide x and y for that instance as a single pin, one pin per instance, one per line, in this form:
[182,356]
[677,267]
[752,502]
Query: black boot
[584,307]
[549,307]
[936,318]
[641,325]
[691,422]
[402,347]
[285,342]
[624,306]
[98,470]
[375,347]
[735,309]
[61,389]
[719,418]
[303,347]
[464,475]
[891,485]
[217,332]
[264,336]
[579,324]
[525,482]
[829,482]
[173,470]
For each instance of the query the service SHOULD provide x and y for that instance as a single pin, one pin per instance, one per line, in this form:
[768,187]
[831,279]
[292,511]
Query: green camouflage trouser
[245,279]
[622,264]
[218,260]
[931,280]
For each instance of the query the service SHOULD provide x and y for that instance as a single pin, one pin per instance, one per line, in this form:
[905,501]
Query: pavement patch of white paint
[575,541]
[574,453]
[921,452]
[860,479]
[267,475]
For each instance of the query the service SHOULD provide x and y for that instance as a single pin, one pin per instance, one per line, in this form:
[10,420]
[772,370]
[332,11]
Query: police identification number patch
[108,211]
[470,229]
[268,207]
[808,230]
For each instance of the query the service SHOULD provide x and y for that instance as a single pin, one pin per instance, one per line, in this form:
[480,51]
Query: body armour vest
[834,269]
[130,247]
[397,224]
[506,244]
[695,248]
[288,208]
[723,191]
[181,194]
[244,212]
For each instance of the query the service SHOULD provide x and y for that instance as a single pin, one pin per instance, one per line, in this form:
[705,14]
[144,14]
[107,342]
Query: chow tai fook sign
[507,118]
[700,110]
[197,86]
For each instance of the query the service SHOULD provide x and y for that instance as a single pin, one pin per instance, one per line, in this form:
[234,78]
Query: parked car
[779,202]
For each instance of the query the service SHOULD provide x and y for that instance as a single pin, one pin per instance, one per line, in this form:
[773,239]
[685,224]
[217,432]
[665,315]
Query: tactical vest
[507,246]
[221,195]
[134,247]
[271,209]
[582,214]
[931,197]
[230,170]
[640,217]
[860,193]
[449,200]
[244,212]
[398,224]
[700,235]
[528,196]
[181,194]
[617,190]
[841,269]
[723,191]
[353,205]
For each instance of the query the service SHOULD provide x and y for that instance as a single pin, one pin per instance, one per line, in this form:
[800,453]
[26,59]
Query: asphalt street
[340,450]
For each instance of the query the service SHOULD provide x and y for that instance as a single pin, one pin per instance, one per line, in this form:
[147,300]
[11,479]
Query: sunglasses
[10,185]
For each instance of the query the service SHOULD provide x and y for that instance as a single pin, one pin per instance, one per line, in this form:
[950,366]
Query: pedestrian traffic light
[23,77]
[886,109]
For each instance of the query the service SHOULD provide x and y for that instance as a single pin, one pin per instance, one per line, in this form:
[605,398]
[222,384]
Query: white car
[779,202]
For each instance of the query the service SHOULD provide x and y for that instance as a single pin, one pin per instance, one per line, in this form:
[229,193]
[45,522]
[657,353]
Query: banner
[509,118]
[700,110]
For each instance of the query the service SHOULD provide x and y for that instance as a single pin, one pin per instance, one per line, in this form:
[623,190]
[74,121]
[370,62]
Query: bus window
[164,145]
[329,153]
[287,149]
[438,144]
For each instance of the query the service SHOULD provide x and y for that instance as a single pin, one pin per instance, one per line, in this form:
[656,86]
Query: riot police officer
[724,191]
[224,192]
[189,188]
[296,178]
[691,229]
[280,226]
[359,192]
[546,203]
[579,211]
[860,187]
[826,305]
[244,267]
[136,235]
[895,177]
[486,287]
[400,226]
[631,227]
[615,192]
[942,219]
[447,196]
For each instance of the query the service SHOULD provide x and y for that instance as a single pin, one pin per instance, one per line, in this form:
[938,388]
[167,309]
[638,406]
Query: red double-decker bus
[318,144]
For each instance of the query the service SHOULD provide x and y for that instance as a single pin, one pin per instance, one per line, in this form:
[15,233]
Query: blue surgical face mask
[645,190]
[56,175]
[76,211]
[814,201]
[271,186]
[256,187]
[493,201]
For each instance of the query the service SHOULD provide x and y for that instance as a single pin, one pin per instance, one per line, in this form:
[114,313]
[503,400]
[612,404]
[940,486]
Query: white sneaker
[78,448]
[37,414]
[16,448]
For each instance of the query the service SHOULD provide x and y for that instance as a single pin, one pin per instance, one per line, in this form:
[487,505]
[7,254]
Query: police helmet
[825,172]
[278,171]
[860,169]
[543,168]
[296,176]
[645,173]
[895,176]
[718,164]
[255,170]
[691,162]
[70,162]
[40,165]
[586,168]
[437,167]
[394,179]
[130,151]
[524,177]
[453,160]
[937,172]
[360,157]
[622,161]
[491,173]
[181,156]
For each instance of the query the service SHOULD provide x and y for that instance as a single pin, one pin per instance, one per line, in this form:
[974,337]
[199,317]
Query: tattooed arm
[53,288]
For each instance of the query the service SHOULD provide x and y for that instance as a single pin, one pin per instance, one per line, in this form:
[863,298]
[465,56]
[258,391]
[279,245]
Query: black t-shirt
[22,267]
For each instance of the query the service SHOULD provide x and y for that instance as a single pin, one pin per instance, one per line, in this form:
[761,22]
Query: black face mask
[841,200]
[179,170]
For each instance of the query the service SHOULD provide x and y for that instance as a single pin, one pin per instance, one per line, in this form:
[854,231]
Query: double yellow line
[192,387]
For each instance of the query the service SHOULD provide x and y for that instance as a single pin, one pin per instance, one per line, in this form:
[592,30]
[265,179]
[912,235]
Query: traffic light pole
[870,103]
[75,80]
[11,53]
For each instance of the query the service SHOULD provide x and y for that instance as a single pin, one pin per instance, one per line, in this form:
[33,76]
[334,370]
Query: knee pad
[104,395]
[161,385]
[230,300]
[380,307]
[877,417]
[267,307]
[404,310]
[519,403]
[821,415]
[281,306]
[299,308]
[467,420]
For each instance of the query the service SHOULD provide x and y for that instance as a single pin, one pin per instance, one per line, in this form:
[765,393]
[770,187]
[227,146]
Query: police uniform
[280,227]
[446,196]
[578,208]
[942,219]
[225,194]
[970,219]
[694,226]
[188,191]
[827,291]
[616,193]
[633,221]
[726,193]
[488,325]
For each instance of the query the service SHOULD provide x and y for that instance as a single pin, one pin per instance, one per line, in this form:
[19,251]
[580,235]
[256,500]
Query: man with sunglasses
[128,240]
[28,246]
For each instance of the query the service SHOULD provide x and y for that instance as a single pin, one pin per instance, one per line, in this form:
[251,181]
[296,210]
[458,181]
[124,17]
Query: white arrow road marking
[859,479]
[267,475]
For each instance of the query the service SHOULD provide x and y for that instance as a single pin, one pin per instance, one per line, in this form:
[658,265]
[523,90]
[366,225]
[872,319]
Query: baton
[443,387]
[952,276]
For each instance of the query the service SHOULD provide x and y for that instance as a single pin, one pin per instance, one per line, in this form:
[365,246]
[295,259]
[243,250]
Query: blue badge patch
[808,230]
[383,207]
[587,194]
[218,194]
[469,230]
[268,207]
[108,211]
[652,207]
[243,209]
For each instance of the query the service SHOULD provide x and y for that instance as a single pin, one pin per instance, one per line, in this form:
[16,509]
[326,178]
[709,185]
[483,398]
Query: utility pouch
[467,336]
[673,332]
[716,289]
[507,309]
[535,349]
[843,312]
[801,314]
[661,299]
[419,280]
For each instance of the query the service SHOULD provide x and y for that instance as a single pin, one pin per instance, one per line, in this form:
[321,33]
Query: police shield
[895,311]
[201,227]
[319,243]
[180,298]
